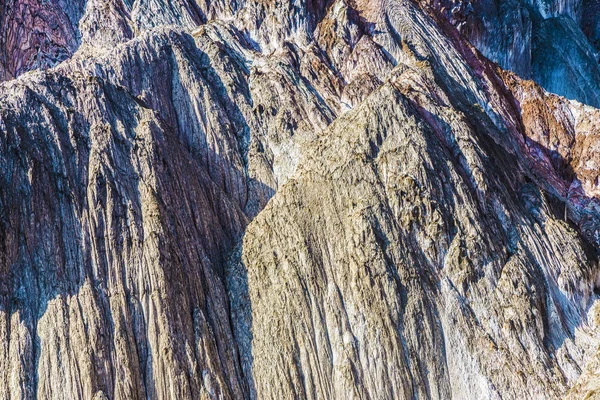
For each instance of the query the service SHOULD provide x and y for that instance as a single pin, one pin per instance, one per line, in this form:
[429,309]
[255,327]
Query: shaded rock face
[110,292]
[36,34]
[554,43]
[296,200]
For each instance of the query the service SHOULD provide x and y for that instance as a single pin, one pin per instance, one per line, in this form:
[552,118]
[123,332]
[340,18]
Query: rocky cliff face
[297,200]
[553,42]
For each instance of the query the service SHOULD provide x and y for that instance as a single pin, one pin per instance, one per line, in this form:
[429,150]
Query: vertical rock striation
[552,42]
[345,199]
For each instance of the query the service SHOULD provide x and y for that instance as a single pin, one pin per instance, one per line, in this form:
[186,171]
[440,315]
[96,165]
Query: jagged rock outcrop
[553,42]
[36,34]
[246,199]
[107,292]
[97,267]
[413,276]
[39,33]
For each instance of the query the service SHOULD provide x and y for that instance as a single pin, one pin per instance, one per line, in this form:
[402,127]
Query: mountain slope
[554,43]
[423,270]
[308,200]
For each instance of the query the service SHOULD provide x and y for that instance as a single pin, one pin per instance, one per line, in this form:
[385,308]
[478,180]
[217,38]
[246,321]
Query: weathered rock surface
[307,199]
[36,34]
[414,275]
[553,42]
[413,210]
[126,181]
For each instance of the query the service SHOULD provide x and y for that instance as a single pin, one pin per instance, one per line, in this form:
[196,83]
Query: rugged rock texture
[556,43]
[251,199]
[422,269]
[415,275]
[40,33]
[122,194]
[553,42]
[36,34]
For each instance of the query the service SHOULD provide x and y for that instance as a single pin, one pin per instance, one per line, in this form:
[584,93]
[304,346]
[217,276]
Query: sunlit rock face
[554,42]
[40,33]
[299,199]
